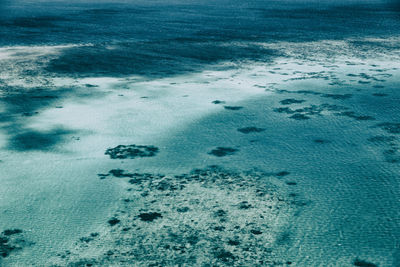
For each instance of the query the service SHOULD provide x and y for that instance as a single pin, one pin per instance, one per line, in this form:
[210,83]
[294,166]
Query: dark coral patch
[290,101]
[299,117]
[5,247]
[9,232]
[113,221]
[10,241]
[379,94]
[381,139]
[233,107]
[223,151]
[247,130]
[256,232]
[361,263]
[284,110]
[305,113]
[337,96]
[282,173]
[244,205]
[131,151]
[390,127]
[224,256]
[321,141]
[353,115]
[150,216]
[102,175]
[120,173]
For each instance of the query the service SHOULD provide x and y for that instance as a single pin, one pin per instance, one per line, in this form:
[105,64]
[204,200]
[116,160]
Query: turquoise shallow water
[351,189]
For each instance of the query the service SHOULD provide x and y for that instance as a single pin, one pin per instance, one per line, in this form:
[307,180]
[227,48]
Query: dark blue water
[169,37]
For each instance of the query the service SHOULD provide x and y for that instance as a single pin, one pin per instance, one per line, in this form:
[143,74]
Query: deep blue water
[169,37]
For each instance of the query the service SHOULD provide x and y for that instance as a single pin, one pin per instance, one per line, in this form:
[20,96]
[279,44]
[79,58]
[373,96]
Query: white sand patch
[119,111]
[21,66]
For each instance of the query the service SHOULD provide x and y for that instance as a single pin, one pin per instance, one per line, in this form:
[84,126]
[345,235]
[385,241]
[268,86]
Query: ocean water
[293,104]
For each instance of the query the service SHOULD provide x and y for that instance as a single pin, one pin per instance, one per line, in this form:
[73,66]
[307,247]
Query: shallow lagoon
[302,134]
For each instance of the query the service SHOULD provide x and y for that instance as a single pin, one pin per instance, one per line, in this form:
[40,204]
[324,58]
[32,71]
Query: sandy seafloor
[291,160]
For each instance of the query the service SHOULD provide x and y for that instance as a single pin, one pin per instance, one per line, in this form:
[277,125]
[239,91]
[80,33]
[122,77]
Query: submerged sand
[329,121]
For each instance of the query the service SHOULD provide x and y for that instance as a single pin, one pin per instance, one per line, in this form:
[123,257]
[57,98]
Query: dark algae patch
[233,107]
[381,139]
[143,58]
[388,144]
[299,117]
[362,263]
[284,110]
[224,256]
[9,232]
[252,129]
[290,101]
[131,151]
[87,239]
[31,140]
[150,216]
[11,240]
[321,141]
[282,173]
[120,173]
[379,94]
[208,217]
[337,96]
[310,111]
[353,115]
[390,127]
[256,232]
[113,221]
[223,151]
[5,247]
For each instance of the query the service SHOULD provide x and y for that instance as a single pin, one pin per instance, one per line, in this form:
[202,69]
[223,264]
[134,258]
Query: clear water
[78,77]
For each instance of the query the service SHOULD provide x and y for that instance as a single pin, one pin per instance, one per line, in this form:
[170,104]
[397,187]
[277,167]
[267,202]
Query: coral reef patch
[131,151]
